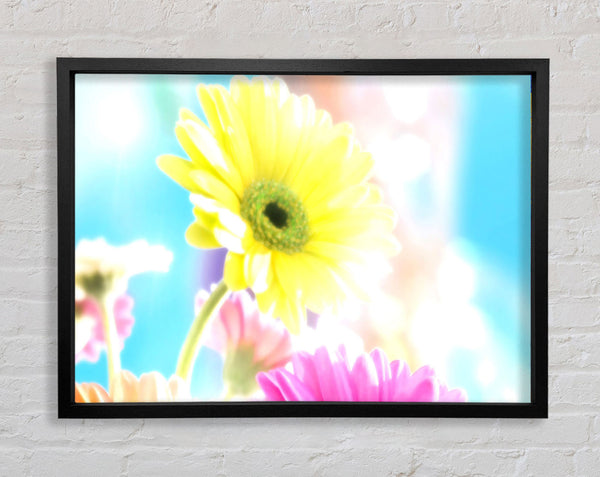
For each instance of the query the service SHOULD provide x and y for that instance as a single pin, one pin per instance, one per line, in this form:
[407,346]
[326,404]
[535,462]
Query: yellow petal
[305,119]
[349,198]
[334,155]
[190,147]
[179,170]
[354,280]
[343,223]
[358,167]
[211,156]
[201,237]
[267,300]
[257,268]
[290,132]
[233,272]
[262,126]
[235,134]
[374,195]
[292,314]
[228,240]
[383,243]
[185,114]
[216,189]
[334,251]
[280,91]
[209,108]
[321,288]
[211,213]
[283,265]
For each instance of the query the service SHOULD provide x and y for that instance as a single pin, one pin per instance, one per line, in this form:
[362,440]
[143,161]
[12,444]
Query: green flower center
[276,215]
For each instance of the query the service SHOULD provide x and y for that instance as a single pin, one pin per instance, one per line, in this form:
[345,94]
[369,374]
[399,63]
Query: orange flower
[91,392]
[150,387]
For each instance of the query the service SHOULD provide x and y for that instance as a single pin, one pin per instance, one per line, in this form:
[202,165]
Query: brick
[593,129]
[42,15]
[585,49]
[193,462]
[28,354]
[548,462]
[379,17]
[568,128]
[430,16]
[575,389]
[573,204]
[573,313]
[63,462]
[587,461]
[565,94]
[467,462]
[560,431]
[332,16]
[575,351]
[574,279]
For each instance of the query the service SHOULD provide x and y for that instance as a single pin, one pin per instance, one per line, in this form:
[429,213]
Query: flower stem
[191,346]
[107,306]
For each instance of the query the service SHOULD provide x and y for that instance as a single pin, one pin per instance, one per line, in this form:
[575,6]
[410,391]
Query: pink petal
[423,372]
[123,321]
[269,387]
[383,373]
[364,379]
[400,380]
[253,326]
[452,395]
[291,387]
[216,337]
[333,376]
[231,319]
[281,353]
[426,390]
[267,343]
[304,368]
[344,354]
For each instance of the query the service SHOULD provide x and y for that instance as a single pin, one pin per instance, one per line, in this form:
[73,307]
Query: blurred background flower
[126,387]
[91,392]
[452,157]
[101,268]
[248,341]
[89,332]
[102,272]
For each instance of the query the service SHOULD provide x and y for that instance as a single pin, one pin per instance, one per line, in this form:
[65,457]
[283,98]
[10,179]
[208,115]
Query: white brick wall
[34,442]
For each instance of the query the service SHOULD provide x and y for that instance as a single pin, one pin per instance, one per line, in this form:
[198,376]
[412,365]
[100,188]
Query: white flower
[101,268]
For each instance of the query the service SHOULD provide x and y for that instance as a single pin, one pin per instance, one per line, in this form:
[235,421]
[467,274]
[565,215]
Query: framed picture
[302,237]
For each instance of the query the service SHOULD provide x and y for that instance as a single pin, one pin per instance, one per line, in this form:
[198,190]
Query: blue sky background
[124,122]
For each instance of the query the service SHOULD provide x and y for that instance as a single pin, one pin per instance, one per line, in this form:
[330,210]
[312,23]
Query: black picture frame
[67,68]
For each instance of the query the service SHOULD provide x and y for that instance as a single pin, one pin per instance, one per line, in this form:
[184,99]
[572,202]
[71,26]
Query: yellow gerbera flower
[286,192]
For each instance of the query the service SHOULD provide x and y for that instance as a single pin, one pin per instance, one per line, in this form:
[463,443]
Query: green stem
[111,338]
[191,346]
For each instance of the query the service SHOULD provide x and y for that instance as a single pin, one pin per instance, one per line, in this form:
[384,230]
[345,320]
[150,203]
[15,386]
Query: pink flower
[249,341]
[328,375]
[239,324]
[89,330]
